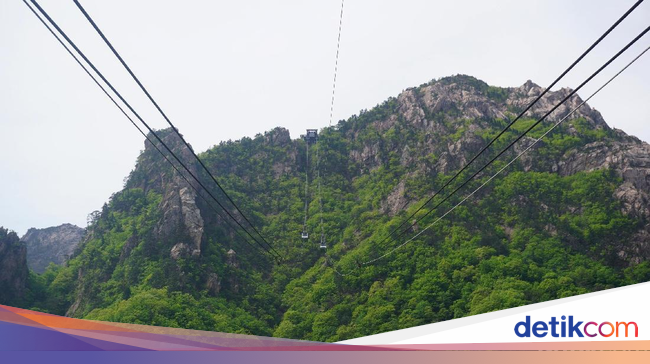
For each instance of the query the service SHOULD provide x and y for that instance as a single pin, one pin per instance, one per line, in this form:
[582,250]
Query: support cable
[320,200]
[304,225]
[508,164]
[83,56]
[336,62]
[101,34]
[318,176]
[528,130]
[457,174]
[135,125]
[359,264]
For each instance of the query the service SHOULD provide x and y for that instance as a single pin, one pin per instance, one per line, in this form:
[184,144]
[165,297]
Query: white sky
[227,69]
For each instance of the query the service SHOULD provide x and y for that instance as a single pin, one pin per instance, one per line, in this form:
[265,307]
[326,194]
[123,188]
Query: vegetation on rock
[540,232]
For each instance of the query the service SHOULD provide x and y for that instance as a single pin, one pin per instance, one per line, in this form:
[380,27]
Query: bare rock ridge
[424,133]
[457,111]
[457,114]
[181,225]
[51,245]
[181,216]
[453,111]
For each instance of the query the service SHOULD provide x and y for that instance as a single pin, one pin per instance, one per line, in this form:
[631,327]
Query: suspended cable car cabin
[311,136]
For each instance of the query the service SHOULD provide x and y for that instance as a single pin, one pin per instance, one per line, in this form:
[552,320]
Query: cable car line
[310,137]
[405,221]
[529,128]
[370,261]
[136,126]
[133,122]
[457,174]
[305,233]
[336,62]
[74,46]
[323,243]
[511,161]
[135,78]
[277,255]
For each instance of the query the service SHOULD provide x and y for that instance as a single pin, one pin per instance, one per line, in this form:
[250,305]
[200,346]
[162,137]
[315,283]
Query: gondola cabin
[311,136]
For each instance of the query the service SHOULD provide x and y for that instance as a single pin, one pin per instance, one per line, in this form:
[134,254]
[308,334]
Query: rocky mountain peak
[456,113]
[572,208]
[179,229]
[529,88]
[181,217]
[278,136]
[51,245]
[152,171]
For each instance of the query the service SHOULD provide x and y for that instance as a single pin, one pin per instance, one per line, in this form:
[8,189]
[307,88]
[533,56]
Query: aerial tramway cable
[74,46]
[370,261]
[198,192]
[144,90]
[573,92]
[509,163]
[336,62]
[310,137]
[405,221]
[323,243]
[457,174]
[305,234]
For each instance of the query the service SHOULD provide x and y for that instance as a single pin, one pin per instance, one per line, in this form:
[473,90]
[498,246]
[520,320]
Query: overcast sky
[227,69]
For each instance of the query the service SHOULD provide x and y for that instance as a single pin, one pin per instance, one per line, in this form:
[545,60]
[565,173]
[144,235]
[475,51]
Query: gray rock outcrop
[51,245]
[456,111]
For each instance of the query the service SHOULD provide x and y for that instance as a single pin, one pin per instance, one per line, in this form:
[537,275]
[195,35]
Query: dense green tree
[531,235]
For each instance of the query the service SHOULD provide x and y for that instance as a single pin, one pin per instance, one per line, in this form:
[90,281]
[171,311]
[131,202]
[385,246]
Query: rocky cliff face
[179,231]
[181,217]
[51,245]
[458,112]
[434,129]
[13,267]
[454,111]
[630,159]
[158,233]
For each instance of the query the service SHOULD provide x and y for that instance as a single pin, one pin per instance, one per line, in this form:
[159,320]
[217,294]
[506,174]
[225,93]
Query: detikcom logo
[590,329]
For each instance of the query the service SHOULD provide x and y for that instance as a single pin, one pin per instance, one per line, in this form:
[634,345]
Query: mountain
[570,217]
[13,268]
[51,245]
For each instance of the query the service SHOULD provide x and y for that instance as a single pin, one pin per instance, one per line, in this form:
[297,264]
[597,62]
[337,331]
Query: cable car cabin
[305,235]
[312,136]
[322,242]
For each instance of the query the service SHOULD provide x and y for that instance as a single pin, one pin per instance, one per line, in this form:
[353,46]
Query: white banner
[598,316]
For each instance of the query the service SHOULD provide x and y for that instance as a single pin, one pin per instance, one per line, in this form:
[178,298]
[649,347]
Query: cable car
[322,242]
[312,136]
[305,235]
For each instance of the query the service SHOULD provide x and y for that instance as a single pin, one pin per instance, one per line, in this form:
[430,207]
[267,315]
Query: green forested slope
[541,232]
